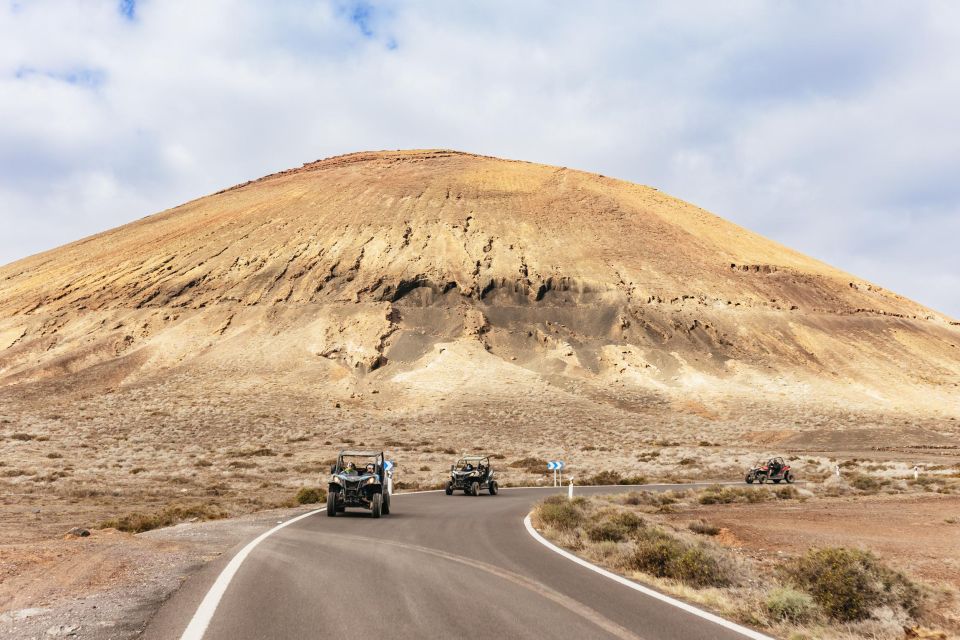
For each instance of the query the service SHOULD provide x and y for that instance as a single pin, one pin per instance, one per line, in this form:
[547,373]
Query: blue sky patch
[361,15]
[128,9]
[81,77]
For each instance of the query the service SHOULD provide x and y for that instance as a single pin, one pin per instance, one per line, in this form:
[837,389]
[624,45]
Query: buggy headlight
[336,480]
[371,480]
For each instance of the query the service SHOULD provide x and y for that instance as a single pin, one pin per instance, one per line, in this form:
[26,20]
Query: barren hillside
[385,262]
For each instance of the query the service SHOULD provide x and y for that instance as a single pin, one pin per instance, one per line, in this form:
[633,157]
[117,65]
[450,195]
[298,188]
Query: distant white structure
[916,472]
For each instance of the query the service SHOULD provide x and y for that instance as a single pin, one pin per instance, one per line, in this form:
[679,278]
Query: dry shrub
[704,528]
[14,473]
[790,605]
[259,452]
[728,495]
[530,465]
[311,495]
[611,478]
[605,531]
[650,498]
[560,513]
[311,467]
[139,522]
[614,527]
[849,584]
[865,483]
[663,555]
[786,493]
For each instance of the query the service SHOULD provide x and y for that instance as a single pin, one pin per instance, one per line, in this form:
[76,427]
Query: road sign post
[388,470]
[557,467]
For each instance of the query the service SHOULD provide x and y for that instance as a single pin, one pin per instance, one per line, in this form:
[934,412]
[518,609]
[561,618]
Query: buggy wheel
[376,505]
[788,477]
[749,478]
[386,504]
[776,481]
[449,489]
[474,488]
[332,504]
[762,479]
[493,488]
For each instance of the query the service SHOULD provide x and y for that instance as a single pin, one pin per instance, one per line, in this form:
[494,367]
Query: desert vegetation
[829,591]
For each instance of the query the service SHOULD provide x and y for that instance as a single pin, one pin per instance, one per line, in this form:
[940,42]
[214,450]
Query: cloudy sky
[833,127]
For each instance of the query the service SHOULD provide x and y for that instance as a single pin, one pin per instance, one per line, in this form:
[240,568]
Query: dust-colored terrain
[433,302]
[747,538]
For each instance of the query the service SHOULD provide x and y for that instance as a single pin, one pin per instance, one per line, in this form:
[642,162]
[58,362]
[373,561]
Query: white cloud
[827,126]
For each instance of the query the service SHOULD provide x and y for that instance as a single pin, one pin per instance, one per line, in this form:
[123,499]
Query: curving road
[438,567]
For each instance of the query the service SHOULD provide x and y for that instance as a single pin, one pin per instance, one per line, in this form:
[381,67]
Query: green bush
[791,606]
[848,583]
[560,513]
[665,556]
[311,495]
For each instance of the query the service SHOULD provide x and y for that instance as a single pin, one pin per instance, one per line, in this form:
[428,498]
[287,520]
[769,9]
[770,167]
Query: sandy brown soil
[917,533]
[108,585]
[911,527]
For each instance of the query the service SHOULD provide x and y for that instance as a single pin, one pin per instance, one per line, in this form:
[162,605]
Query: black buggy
[470,475]
[358,480]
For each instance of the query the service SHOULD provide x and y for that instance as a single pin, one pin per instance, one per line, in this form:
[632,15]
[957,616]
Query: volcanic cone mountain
[395,281]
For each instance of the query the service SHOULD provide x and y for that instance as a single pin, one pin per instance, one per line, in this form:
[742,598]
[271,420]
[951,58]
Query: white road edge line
[732,626]
[201,618]
[208,606]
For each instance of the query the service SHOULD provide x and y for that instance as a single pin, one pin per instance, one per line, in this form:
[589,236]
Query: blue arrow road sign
[387,465]
[554,465]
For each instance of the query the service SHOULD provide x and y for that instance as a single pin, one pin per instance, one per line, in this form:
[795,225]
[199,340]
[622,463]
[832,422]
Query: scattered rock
[63,630]
[79,532]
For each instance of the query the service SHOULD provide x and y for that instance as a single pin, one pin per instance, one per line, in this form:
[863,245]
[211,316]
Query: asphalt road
[437,567]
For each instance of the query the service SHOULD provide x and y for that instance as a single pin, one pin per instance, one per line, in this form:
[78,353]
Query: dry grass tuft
[138,522]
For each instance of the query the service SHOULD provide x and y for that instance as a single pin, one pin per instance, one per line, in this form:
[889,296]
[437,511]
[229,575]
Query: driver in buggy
[351,469]
[370,469]
[468,467]
[774,466]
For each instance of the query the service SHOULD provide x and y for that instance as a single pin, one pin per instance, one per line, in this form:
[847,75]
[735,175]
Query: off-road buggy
[471,474]
[358,480]
[773,470]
